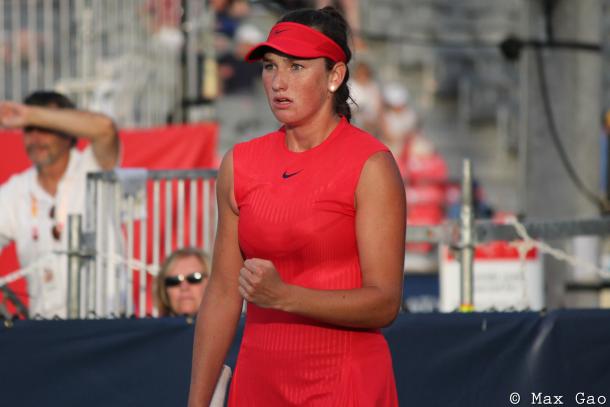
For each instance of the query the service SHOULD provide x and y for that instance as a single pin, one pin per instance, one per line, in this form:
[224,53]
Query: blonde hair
[161,298]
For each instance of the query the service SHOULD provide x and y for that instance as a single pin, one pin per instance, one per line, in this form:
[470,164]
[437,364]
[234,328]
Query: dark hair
[330,22]
[49,98]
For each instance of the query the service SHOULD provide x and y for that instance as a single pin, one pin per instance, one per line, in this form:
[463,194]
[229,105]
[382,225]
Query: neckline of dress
[333,134]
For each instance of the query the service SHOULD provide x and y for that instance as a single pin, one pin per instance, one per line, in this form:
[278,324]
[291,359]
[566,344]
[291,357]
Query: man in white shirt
[34,204]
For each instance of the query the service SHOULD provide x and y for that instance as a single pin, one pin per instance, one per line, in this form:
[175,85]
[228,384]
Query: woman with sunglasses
[311,233]
[181,282]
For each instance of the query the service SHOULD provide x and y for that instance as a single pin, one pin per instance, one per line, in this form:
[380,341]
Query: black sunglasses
[56,228]
[193,278]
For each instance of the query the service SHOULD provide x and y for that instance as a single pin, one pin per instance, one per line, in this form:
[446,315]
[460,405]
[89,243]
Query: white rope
[23,272]
[529,243]
[151,269]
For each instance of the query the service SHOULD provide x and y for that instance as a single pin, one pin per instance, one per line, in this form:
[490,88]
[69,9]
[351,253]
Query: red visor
[300,41]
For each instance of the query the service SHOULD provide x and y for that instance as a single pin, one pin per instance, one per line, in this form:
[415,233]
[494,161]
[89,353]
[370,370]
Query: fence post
[467,240]
[74,240]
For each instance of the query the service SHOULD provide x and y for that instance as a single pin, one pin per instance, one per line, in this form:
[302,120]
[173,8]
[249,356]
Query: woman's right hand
[261,284]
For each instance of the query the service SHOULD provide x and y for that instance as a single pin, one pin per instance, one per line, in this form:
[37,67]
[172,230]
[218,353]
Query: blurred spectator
[181,282]
[36,203]
[229,13]
[420,163]
[482,208]
[425,174]
[351,11]
[366,93]
[164,20]
[20,51]
[164,13]
[398,118]
[242,89]
[238,76]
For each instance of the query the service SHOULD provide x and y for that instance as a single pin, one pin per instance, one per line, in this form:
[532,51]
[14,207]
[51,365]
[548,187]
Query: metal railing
[464,236]
[121,57]
[133,220]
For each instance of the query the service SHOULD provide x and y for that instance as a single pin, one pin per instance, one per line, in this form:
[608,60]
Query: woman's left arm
[380,233]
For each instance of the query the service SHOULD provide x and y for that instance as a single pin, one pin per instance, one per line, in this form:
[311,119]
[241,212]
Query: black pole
[183,63]
[19,305]
[607,153]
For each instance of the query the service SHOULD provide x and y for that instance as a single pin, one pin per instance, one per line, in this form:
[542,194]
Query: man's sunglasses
[56,228]
[193,278]
[31,129]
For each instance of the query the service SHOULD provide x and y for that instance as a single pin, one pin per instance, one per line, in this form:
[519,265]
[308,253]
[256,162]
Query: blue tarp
[440,360]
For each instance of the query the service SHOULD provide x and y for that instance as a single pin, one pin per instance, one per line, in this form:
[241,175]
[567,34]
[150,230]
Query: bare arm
[221,306]
[380,234]
[99,129]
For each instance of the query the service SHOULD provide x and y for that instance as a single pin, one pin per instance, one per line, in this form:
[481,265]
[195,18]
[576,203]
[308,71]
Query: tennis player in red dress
[311,234]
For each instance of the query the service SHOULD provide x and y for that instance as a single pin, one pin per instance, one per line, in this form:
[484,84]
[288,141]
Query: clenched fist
[261,284]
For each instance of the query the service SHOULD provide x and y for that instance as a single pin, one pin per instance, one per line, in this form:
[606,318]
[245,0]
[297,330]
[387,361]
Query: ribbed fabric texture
[297,210]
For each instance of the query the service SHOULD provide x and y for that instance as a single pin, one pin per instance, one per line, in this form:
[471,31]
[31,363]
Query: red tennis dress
[297,210]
